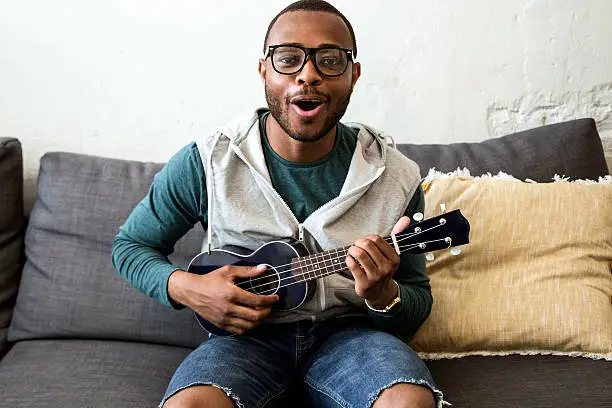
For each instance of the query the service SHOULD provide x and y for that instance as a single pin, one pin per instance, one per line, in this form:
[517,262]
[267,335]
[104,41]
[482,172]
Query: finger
[363,258]
[385,249]
[238,327]
[358,273]
[249,314]
[248,271]
[401,224]
[246,298]
[234,330]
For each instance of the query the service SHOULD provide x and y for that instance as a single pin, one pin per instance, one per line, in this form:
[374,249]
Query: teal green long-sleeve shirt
[177,200]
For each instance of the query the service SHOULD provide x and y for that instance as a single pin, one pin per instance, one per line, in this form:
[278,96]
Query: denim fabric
[339,363]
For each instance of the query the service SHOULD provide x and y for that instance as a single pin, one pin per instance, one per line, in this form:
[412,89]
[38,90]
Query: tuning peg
[418,217]
[455,251]
[429,256]
[443,208]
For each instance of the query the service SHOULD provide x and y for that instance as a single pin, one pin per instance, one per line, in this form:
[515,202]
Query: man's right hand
[216,298]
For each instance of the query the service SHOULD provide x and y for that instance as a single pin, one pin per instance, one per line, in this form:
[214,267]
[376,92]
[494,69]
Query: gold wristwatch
[392,305]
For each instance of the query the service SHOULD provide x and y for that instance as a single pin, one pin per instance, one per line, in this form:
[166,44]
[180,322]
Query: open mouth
[308,106]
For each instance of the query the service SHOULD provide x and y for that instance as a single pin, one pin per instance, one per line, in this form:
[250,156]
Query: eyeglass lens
[329,61]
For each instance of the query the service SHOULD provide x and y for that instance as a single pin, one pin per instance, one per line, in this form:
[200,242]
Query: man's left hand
[373,261]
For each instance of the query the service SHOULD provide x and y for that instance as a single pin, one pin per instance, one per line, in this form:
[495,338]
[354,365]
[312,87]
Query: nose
[309,74]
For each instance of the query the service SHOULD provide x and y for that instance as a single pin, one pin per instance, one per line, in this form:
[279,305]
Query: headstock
[447,230]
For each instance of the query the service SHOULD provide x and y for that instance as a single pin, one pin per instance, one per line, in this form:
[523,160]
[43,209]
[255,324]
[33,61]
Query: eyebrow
[324,45]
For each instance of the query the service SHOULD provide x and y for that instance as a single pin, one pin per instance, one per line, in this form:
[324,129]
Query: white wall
[139,79]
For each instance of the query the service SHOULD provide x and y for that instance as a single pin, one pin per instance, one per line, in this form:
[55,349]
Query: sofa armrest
[11,231]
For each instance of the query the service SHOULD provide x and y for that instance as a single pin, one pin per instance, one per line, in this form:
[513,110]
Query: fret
[308,269]
[325,263]
[341,256]
[330,259]
[329,263]
[320,271]
[305,269]
[297,267]
[314,266]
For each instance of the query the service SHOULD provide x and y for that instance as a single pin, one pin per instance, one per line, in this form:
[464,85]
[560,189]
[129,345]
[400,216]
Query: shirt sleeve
[176,201]
[413,281]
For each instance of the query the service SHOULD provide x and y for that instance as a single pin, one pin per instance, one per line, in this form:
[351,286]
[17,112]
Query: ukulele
[290,267]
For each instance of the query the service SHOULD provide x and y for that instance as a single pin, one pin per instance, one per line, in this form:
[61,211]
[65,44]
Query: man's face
[286,94]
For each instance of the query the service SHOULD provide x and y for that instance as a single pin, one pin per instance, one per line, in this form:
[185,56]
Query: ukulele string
[292,271]
[318,269]
[399,238]
[295,283]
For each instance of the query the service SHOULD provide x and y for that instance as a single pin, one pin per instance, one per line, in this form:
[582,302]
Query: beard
[279,109]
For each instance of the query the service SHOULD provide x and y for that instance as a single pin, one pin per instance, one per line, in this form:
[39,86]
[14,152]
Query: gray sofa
[74,334]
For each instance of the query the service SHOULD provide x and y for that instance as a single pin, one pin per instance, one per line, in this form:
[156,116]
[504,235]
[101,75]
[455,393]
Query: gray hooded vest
[244,209]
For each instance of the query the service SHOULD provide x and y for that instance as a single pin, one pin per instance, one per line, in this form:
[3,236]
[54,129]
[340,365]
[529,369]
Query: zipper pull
[301,233]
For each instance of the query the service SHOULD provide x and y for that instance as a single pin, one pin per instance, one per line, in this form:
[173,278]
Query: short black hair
[313,5]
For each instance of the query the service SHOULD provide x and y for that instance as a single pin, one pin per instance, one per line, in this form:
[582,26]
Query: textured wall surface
[139,79]
[540,109]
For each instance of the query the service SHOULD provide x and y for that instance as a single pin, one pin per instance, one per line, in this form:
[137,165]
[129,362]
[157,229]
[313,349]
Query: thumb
[401,224]
[247,271]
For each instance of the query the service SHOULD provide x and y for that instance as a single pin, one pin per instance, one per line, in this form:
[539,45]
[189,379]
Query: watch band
[391,305]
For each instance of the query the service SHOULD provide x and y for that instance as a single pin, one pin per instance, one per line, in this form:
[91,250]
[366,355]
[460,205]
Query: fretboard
[444,231]
[322,264]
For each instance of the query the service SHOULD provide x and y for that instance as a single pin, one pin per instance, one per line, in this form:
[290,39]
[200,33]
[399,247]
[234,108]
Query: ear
[262,70]
[356,70]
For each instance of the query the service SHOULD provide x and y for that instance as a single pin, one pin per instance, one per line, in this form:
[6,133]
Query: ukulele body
[279,278]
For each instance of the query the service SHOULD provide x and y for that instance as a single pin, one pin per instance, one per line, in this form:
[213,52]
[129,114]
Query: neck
[324,263]
[294,150]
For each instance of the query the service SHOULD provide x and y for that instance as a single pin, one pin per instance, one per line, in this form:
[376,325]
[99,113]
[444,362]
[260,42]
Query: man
[292,173]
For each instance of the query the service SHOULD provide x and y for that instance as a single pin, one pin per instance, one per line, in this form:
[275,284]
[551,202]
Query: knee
[200,396]
[404,395]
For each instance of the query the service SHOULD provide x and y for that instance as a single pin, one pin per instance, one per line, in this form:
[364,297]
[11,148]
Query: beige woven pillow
[536,276]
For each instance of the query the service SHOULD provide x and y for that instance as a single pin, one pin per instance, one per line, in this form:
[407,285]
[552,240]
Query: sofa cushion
[523,381]
[535,275]
[571,148]
[69,287]
[86,373]
[11,230]
[77,373]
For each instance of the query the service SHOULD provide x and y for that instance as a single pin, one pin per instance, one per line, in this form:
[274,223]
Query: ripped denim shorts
[343,362]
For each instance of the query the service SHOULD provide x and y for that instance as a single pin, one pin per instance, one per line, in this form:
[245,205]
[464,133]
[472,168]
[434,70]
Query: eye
[330,61]
[331,58]
[287,60]
[288,56]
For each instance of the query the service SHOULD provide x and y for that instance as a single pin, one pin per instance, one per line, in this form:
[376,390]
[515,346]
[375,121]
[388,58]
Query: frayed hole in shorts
[228,391]
[438,395]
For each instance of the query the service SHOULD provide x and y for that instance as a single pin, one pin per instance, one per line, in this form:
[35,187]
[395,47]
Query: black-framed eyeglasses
[290,59]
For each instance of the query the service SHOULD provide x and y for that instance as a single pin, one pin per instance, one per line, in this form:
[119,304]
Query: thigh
[252,372]
[356,365]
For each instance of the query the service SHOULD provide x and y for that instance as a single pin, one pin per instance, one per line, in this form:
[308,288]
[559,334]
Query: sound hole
[267,283]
